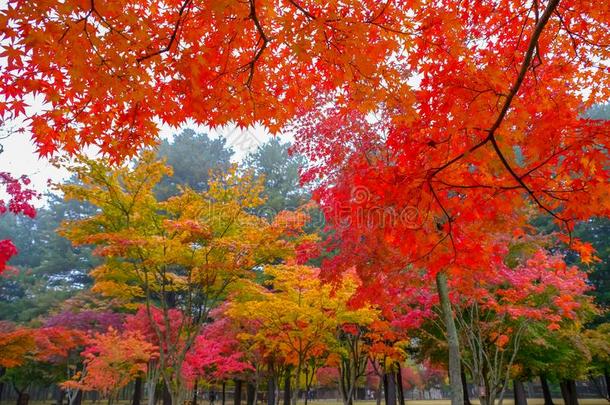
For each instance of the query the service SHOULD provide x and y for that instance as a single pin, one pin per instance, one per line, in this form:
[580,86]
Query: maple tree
[15,343]
[494,313]
[33,355]
[453,118]
[20,196]
[112,360]
[302,325]
[180,255]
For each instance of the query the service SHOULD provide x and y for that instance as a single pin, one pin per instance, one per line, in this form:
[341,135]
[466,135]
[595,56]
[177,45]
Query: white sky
[19,156]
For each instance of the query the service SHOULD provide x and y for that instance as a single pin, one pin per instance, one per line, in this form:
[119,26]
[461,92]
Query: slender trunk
[276,382]
[455,379]
[287,393]
[237,395]
[297,385]
[465,388]
[61,394]
[167,396]
[151,383]
[2,371]
[224,390]
[271,390]
[546,392]
[401,393]
[607,378]
[137,392]
[343,378]
[195,392]
[519,393]
[78,399]
[378,393]
[390,389]
[250,390]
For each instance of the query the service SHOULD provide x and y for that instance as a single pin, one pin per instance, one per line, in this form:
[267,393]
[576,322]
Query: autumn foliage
[436,135]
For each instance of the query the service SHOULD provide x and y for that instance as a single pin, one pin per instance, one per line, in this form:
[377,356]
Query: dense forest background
[50,275]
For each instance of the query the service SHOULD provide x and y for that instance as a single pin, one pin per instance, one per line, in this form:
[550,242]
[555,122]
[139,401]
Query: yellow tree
[182,254]
[300,317]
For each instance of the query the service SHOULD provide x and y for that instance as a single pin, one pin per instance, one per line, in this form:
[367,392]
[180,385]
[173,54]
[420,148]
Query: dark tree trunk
[465,388]
[568,392]
[237,395]
[546,391]
[287,388]
[23,398]
[519,392]
[137,392]
[390,389]
[79,398]
[224,391]
[401,392]
[195,392]
[250,389]
[271,390]
[606,377]
[167,397]
[2,371]
[61,394]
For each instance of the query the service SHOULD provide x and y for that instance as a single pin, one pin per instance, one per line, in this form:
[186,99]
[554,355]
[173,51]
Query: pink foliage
[216,354]
[19,203]
[327,376]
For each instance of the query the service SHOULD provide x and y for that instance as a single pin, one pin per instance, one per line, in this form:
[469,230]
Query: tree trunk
[195,392]
[455,368]
[546,392]
[401,392]
[287,388]
[250,390]
[568,392]
[465,388]
[167,396]
[61,394]
[378,393]
[224,391]
[271,390]
[607,378]
[237,395]
[519,393]
[390,389]
[297,385]
[137,392]
[78,400]
[2,371]
[22,397]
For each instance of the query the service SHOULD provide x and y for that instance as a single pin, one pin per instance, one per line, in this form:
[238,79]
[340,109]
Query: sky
[19,156]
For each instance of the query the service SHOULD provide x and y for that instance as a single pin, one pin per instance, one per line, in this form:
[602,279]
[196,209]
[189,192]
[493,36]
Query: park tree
[19,202]
[52,270]
[36,356]
[177,257]
[310,325]
[274,162]
[193,157]
[495,312]
[598,342]
[479,104]
[111,360]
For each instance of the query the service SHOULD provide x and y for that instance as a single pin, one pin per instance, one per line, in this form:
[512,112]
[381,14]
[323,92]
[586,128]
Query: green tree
[50,269]
[280,170]
[192,156]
